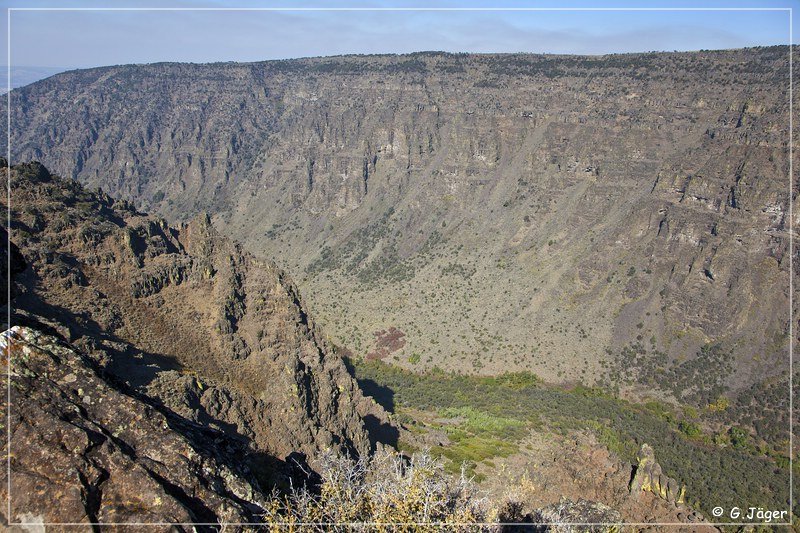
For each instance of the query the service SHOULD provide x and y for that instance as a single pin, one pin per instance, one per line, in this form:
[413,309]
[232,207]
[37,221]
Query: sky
[62,40]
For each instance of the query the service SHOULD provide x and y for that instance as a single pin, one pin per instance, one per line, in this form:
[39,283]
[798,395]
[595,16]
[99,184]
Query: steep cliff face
[619,218]
[185,317]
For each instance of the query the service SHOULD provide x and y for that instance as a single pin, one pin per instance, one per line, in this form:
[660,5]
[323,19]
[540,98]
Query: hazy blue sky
[71,39]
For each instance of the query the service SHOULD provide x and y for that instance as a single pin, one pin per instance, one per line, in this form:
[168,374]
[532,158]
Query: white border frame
[390,9]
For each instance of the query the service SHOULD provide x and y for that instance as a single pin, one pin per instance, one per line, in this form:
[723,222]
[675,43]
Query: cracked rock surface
[84,451]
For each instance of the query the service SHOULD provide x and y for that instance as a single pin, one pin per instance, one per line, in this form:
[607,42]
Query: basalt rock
[648,477]
[13,263]
[86,450]
[569,516]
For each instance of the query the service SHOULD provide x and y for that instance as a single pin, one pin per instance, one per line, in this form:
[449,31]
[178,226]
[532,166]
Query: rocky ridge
[186,317]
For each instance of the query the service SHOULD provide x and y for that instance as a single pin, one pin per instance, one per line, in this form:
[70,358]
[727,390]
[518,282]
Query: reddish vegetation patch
[386,342]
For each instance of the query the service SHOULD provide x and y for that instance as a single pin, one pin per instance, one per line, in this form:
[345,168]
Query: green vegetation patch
[481,423]
[495,411]
[476,436]
[469,450]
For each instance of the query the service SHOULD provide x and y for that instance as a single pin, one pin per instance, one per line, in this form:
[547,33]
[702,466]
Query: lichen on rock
[649,477]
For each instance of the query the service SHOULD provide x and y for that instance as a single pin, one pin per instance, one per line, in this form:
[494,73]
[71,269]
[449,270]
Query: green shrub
[690,429]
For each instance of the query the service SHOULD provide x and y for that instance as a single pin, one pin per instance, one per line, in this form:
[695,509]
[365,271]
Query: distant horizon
[68,68]
[88,34]
[28,74]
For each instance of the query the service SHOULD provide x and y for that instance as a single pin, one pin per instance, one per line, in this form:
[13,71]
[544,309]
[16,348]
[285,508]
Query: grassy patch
[481,423]
[470,450]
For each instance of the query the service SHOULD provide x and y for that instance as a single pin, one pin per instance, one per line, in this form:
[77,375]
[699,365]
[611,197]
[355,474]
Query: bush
[690,429]
[739,438]
[387,488]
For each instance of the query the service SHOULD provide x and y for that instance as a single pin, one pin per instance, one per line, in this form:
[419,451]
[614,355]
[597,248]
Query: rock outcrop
[13,263]
[648,477]
[566,516]
[578,476]
[562,517]
[84,451]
